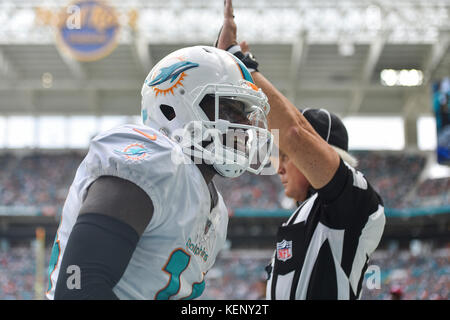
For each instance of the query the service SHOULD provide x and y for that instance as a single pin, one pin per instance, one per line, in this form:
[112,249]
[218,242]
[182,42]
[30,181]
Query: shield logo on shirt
[284,250]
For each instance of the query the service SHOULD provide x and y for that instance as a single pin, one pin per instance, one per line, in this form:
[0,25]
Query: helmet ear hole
[167,111]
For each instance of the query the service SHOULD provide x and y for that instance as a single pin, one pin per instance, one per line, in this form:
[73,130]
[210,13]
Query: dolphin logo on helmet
[172,72]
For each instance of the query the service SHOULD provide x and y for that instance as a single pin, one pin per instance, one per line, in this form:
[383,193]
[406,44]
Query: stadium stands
[240,274]
[393,175]
[43,180]
[17,273]
[431,193]
[425,276]
[39,179]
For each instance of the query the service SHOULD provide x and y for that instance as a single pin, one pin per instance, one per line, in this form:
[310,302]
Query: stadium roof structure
[319,53]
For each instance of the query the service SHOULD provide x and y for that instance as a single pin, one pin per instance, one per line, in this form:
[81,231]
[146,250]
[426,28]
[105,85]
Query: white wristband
[234,49]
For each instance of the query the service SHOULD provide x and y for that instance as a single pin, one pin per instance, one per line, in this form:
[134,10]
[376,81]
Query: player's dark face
[229,109]
[294,182]
[232,111]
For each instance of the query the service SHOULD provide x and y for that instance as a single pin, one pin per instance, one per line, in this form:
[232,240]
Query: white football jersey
[184,236]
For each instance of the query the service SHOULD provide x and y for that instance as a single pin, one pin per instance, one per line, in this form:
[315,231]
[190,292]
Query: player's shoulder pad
[134,144]
[141,155]
[134,152]
[123,134]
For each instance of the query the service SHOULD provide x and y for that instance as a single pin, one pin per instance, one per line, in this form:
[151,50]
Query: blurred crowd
[40,180]
[412,275]
[238,274]
[431,193]
[17,273]
[251,191]
[43,180]
[409,274]
[392,175]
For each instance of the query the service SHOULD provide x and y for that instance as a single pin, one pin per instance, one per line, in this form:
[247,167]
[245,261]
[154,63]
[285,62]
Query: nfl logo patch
[284,250]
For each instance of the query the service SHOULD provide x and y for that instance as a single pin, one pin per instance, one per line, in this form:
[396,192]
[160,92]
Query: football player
[143,219]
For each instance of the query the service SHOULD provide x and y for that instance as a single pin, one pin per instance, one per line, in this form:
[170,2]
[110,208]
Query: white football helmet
[201,96]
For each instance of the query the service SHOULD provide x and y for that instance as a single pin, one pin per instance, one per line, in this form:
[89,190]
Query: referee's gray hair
[347,157]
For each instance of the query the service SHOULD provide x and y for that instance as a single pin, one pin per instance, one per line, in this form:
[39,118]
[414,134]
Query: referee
[323,249]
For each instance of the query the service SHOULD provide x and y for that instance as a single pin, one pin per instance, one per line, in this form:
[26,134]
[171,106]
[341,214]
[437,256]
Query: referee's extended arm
[312,155]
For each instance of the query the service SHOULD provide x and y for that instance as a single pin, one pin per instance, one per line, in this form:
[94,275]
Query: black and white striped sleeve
[348,199]
[349,203]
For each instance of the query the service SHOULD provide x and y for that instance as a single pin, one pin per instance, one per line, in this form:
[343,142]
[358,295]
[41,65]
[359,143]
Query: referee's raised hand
[228,33]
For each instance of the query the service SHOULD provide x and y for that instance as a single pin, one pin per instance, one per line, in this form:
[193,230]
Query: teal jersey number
[53,261]
[197,290]
[178,262]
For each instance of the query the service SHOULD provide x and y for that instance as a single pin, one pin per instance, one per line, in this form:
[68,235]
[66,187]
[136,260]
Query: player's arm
[112,218]
[309,152]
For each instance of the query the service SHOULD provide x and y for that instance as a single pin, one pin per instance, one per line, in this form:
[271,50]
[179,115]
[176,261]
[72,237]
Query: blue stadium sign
[88,30]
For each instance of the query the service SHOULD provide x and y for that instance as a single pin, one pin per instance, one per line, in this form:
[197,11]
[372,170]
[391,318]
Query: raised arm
[314,157]
[309,152]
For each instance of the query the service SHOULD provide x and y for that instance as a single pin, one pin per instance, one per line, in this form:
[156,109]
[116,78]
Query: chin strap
[223,166]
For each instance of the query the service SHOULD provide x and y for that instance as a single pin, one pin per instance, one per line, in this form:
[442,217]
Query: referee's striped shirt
[324,248]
